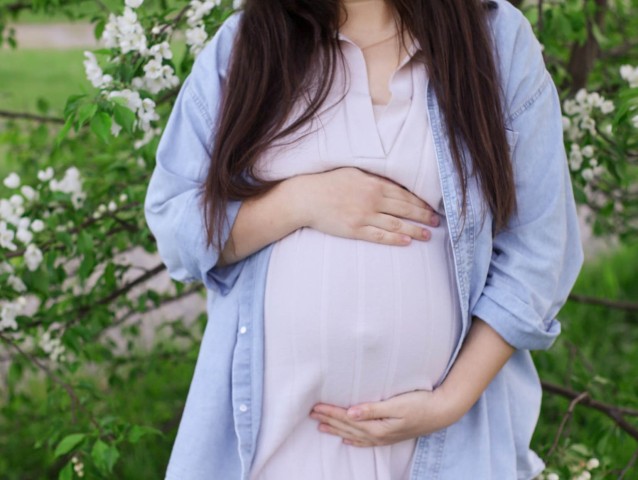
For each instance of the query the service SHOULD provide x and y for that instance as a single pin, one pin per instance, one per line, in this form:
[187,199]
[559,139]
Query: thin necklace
[380,41]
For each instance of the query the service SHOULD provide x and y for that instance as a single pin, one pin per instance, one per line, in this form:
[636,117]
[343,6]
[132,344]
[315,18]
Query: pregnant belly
[348,321]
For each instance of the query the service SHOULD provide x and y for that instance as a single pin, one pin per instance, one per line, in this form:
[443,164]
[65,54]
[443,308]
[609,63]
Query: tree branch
[605,302]
[616,413]
[30,116]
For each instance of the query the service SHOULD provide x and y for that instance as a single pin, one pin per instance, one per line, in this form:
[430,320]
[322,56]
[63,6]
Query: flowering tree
[64,284]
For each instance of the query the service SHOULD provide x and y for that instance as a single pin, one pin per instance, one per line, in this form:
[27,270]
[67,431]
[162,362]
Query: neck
[367,18]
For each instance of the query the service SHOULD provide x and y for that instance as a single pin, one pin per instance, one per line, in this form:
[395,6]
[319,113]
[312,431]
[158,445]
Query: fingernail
[354,413]
[435,221]
[425,233]
[406,238]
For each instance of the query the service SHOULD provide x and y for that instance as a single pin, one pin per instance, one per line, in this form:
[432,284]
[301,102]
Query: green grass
[26,75]
[83,10]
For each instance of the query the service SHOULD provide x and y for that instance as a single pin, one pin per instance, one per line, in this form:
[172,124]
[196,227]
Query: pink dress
[350,321]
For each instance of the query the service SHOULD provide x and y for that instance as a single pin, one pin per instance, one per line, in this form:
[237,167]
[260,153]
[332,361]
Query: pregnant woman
[375,194]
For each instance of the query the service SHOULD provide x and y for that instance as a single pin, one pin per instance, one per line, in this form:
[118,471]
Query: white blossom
[153,69]
[588,151]
[28,192]
[12,180]
[6,267]
[123,198]
[115,129]
[575,157]
[37,225]
[630,75]
[11,210]
[198,10]
[592,463]
[552,476]
[45,175]
[125,32]
[195,39]
[16,283]
[32,257]
[24,235]
[162,50]
[133,3]
[112,206]
[607,107]
[71,183]
[78,466]
[6,236]
[52,346]
[9,311]
[582,109]
[94,72]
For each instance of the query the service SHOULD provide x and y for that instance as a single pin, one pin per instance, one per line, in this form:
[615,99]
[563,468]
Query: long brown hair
[283,47]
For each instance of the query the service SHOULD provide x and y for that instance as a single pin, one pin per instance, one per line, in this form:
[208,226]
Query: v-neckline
[365,137]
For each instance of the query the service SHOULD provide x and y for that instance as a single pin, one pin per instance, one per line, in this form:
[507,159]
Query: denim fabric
[516,281]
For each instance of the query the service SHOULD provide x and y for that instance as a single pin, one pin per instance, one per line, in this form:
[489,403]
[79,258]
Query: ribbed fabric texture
[349,321]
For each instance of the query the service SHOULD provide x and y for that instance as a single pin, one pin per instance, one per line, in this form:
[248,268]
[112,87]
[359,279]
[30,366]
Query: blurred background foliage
[110,405]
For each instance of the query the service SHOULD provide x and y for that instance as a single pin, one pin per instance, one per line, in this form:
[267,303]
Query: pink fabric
[349,321]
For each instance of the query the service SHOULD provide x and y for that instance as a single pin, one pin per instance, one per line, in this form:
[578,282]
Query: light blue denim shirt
[516,282]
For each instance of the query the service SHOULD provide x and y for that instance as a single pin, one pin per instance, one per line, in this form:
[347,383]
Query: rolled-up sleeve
[172,204]
[537,258]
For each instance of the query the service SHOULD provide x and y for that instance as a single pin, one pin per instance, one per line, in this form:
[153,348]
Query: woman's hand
[404,416]
[345,202]
[420,412]
[349,202]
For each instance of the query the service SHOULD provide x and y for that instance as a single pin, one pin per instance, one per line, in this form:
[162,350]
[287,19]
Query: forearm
[262,220]
[482,355]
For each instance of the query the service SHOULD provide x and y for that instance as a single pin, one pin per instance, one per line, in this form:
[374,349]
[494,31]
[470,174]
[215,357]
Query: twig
[605,302]
[75,401]
[616,413]
[30,116]
[629,465]
[568,414]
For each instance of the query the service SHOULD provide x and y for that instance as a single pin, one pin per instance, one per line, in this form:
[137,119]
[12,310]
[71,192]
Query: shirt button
[243,407]
[242,330]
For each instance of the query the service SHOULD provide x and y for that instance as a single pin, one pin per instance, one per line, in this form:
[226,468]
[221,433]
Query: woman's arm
[345,202]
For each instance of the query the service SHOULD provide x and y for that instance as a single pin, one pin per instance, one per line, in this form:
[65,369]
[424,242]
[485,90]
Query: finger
[394,190]
[394,224]
[374,234]
[347,436]
[403,209]
[345,427]
[356,443]
[374,410]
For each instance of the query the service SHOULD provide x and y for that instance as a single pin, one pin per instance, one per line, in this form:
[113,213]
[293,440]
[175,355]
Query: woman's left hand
[398,418]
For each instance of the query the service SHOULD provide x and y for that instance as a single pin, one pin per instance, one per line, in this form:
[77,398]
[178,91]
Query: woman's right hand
[349,202]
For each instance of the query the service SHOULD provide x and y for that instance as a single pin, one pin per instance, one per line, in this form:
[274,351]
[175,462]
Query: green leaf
[72,103]
[86,113]
[124,117]
[87,265]
[85,242]
[101,126]
[42,105]
[63,131]
[67,472]
[99,28]
[68,443]
[104,456]
[139,431]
